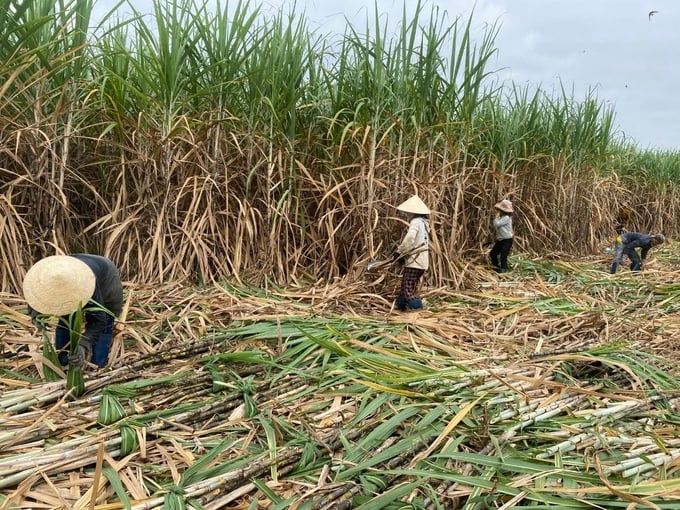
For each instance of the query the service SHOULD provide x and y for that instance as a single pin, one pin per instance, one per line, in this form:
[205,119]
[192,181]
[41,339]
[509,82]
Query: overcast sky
[612,46]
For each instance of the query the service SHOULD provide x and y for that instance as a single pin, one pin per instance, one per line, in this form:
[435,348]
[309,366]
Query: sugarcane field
[247,264]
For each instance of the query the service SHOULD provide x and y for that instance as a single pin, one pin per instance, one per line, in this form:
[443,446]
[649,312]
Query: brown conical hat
[56,285]
[414,205]
[504,205]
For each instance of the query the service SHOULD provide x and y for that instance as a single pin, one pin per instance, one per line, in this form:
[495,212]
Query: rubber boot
[415,304]
[101,348]
[401,303]
[615,266]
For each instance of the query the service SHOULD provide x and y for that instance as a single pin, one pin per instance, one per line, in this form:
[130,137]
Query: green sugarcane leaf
[270,432]
[118,487]
[201,468]
[271,495]
[50,354]
[394,494]
[74,379]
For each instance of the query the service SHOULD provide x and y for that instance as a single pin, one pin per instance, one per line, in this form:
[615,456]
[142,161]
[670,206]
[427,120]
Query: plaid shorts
[409,281]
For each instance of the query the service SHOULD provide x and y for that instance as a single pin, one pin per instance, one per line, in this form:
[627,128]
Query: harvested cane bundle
[74,379]
[50,354]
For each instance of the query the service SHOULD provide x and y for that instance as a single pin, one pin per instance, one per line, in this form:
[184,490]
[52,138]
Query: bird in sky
[651,13]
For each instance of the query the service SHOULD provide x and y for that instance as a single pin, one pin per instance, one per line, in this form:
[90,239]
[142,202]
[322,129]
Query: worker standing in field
[628,243]
[58,285]
[502,222]
[413,251]
[623,218]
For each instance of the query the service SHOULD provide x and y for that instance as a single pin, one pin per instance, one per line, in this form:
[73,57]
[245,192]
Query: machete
[376,264]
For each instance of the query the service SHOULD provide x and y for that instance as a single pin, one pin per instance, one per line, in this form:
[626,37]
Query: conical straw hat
[504,205]
[414,205]
[56,285]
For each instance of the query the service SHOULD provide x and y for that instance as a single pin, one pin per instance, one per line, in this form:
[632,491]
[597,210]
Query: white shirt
[417,238]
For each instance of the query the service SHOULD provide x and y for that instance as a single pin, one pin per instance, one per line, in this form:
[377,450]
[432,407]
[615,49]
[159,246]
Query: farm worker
[623,219]
[627,244]
[414,252]
[57,285]
[502,222]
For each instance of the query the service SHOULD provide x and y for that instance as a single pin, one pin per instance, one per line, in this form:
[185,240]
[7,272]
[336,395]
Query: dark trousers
[632,253]
[100,349]
[635,260]
[62,338]
[499,253]
[409,284]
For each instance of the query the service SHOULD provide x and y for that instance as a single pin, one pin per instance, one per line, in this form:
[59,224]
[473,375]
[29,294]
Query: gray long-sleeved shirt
[503,224]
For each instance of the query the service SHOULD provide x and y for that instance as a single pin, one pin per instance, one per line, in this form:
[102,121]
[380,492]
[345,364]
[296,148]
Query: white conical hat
[414,205]
[56,285]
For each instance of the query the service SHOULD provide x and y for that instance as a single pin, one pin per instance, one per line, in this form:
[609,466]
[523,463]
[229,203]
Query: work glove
[38,323]
[77,360]
[37,319]
[86,344]
[83,353]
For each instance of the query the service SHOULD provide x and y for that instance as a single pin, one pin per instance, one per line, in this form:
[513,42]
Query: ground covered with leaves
[553,386]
